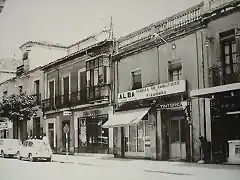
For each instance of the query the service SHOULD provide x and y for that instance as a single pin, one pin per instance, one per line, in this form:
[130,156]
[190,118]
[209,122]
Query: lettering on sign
[153,91]
[92,112]
[168,106]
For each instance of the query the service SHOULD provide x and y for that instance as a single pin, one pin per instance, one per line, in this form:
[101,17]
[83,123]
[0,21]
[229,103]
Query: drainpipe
[198,85]
[203,66]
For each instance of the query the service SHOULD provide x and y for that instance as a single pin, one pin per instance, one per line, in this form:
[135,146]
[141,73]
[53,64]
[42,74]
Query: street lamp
[156,36]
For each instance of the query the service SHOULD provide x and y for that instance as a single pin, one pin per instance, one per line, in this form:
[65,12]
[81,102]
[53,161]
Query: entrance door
[177,138]
[64,135]
[36,127]
[51,135]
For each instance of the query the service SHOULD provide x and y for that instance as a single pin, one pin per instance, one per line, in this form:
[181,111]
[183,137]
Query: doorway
[51,135]
[64,135]
[177,139]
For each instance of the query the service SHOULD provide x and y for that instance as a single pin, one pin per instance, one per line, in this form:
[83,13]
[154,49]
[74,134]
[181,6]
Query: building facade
[153,75]
[77,94]
[221,89]
[31,84]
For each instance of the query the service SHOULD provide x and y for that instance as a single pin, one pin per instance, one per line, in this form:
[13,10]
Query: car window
[25,143]
[30,144]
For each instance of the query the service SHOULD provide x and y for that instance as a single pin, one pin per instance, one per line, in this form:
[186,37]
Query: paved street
[109,168]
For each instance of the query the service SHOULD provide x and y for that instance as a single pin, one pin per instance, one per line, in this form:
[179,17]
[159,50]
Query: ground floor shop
[159,132]
[224,126]
[85,130]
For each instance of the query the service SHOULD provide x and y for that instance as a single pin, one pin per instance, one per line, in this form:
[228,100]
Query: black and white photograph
[119,89]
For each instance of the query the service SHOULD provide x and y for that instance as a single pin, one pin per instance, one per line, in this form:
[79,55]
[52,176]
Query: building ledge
[208,92]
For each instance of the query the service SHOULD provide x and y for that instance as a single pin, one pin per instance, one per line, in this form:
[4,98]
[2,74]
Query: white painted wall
[39,56]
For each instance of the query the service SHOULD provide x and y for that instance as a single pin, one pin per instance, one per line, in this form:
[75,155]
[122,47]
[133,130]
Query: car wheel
[31,158]
[3,155]
[18,156]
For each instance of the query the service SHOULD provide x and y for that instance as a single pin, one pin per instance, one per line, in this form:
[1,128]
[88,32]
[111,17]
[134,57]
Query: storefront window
[135,137]
[94,133]
[140,135]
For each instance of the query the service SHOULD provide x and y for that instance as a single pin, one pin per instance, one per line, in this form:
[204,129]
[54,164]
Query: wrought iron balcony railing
[38,99]
[218,75]
[88,95]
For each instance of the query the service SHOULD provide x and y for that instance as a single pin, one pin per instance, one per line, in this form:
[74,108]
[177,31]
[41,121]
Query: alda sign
[153,91]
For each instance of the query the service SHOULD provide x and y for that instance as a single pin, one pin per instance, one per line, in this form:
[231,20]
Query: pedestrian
[205,150]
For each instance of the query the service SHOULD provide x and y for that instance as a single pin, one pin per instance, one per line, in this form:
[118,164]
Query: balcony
[38,99]
[98,93]
[217,77]
[86,96]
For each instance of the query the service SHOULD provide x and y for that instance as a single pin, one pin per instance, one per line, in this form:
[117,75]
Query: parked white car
[35,150]
[10,147]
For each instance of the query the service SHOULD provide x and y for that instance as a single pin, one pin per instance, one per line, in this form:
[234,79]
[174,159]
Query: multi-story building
[77,94]
[222,77]
[155,68]
[31,84]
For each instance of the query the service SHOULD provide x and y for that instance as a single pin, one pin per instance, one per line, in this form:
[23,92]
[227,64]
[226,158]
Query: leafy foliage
[18,107]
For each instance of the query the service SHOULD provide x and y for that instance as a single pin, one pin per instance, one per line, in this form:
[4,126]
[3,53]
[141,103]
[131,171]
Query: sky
[68,21]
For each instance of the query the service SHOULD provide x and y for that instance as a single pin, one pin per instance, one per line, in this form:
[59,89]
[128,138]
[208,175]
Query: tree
[18,107]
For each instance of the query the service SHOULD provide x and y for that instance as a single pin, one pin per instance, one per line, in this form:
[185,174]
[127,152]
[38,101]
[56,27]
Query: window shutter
[238,45]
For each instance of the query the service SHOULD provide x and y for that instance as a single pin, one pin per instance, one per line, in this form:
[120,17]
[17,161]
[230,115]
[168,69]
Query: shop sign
[171,105]
[67,113]
[153,91]
[3,125]
[93,112]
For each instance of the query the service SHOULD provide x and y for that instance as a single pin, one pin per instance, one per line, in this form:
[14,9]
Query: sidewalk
[107,160]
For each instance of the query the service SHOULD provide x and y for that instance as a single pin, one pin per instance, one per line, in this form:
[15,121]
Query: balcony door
[66,90]
[83,86]
[51,92]
[228,54]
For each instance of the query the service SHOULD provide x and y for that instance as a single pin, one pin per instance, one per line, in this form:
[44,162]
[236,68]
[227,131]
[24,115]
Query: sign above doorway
[67,113]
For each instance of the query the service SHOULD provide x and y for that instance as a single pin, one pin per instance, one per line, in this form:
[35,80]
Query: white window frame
[79,81]
[62,84]
[48,94]
[131,76]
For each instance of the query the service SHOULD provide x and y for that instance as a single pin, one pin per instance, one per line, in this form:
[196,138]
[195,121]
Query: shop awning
[126,118]
[211,91]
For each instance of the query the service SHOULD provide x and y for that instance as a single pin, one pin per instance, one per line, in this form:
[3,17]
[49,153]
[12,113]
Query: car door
[24,150]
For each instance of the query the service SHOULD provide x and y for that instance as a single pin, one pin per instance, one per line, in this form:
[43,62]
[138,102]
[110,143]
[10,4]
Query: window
[175,74]
[25,143]
[66,89]
[136,79]
[228,52]
[5,93]
[37,90]
[20,89]
[135,136]
[98,78]
[51,87]
[98,71]
[30,144]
